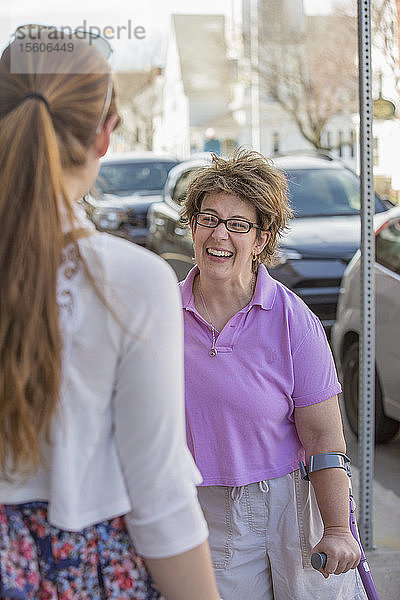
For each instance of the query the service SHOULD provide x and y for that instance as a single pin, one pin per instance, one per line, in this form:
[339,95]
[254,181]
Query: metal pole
[366,416]
[255,77]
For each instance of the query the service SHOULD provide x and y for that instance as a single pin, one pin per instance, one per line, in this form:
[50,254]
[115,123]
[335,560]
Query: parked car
[126,186]
[346,331]
[322,239]
[168,236]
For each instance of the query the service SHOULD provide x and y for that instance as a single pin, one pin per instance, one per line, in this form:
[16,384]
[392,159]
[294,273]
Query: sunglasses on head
[35,33]
[47,38]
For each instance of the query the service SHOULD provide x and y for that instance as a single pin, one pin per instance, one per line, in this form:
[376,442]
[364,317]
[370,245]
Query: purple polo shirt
[273,356]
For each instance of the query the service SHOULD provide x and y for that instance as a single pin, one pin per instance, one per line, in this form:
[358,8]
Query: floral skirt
[40,562]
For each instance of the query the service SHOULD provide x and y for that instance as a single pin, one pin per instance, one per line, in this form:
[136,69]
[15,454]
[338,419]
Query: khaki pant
[261,536]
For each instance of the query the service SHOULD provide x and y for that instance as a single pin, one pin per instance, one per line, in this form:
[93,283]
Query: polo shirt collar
[187,289]
[264,294]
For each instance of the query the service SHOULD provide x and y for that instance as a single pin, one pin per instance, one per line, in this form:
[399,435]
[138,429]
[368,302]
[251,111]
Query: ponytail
[48,122]
[30,250]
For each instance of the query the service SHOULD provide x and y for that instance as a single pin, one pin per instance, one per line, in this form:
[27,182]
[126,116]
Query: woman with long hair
[94,470]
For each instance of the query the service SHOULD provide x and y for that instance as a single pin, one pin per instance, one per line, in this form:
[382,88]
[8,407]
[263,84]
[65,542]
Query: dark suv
[322,239]
[126,186]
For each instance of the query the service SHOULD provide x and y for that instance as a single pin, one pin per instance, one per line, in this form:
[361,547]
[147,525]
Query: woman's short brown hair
[253,178]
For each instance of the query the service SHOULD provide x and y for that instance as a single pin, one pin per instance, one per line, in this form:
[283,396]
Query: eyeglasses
[233,225]
[106,106]
[36,39]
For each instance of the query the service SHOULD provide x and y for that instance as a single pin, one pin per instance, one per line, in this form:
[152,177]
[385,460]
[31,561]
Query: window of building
[340,143]
[352,143]
[275,142]
[329,140]
[375,152]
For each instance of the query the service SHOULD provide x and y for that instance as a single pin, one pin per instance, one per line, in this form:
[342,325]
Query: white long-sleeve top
[118,438]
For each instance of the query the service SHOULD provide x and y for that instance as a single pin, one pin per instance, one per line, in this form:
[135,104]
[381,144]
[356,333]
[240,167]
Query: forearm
[320,429]
[332,492]
[186,575]
[331,488]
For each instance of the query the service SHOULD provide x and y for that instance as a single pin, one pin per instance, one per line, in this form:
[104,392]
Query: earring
[254,257]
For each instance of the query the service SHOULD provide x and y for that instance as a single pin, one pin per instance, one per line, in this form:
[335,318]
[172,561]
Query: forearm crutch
[329,460]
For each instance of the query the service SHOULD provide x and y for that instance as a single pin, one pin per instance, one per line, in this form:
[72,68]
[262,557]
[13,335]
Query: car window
[325,192]
[387,246]
[182,184]
[128,178]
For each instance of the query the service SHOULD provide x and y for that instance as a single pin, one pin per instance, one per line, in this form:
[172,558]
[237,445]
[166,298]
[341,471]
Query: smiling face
[221,254]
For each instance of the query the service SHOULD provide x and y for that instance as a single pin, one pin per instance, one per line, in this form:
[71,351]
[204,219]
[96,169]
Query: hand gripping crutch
[329,460]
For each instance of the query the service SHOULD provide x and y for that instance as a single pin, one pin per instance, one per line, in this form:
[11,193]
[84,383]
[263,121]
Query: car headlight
[106,218]
[285,254]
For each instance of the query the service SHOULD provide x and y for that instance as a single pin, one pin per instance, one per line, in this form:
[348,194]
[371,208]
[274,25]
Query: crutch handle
[318,560]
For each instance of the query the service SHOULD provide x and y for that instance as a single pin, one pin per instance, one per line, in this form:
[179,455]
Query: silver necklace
[213,351]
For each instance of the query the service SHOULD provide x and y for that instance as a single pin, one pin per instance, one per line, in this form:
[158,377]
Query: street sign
[383,108]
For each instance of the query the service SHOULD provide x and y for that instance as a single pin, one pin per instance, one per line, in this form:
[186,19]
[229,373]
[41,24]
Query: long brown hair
[38,141]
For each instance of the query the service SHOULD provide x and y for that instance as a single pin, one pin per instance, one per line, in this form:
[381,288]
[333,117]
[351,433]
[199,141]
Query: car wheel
[385,428]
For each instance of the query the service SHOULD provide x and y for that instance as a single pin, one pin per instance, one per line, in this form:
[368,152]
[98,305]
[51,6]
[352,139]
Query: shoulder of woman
[122,262]
[299,316]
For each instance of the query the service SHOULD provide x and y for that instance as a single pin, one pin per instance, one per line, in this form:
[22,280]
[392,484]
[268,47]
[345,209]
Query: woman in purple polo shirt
[261,396]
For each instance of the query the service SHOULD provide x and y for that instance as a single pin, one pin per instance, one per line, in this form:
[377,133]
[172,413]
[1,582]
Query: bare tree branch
[385,34]
[312,75]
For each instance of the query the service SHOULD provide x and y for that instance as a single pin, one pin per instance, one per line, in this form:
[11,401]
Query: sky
[131,51]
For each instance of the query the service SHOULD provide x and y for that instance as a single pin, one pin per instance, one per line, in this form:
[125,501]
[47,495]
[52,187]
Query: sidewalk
[384,561]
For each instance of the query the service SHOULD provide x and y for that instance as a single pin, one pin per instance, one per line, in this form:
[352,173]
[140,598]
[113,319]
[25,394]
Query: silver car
[346,331]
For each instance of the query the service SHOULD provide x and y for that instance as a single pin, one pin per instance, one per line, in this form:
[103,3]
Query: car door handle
[180,231]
